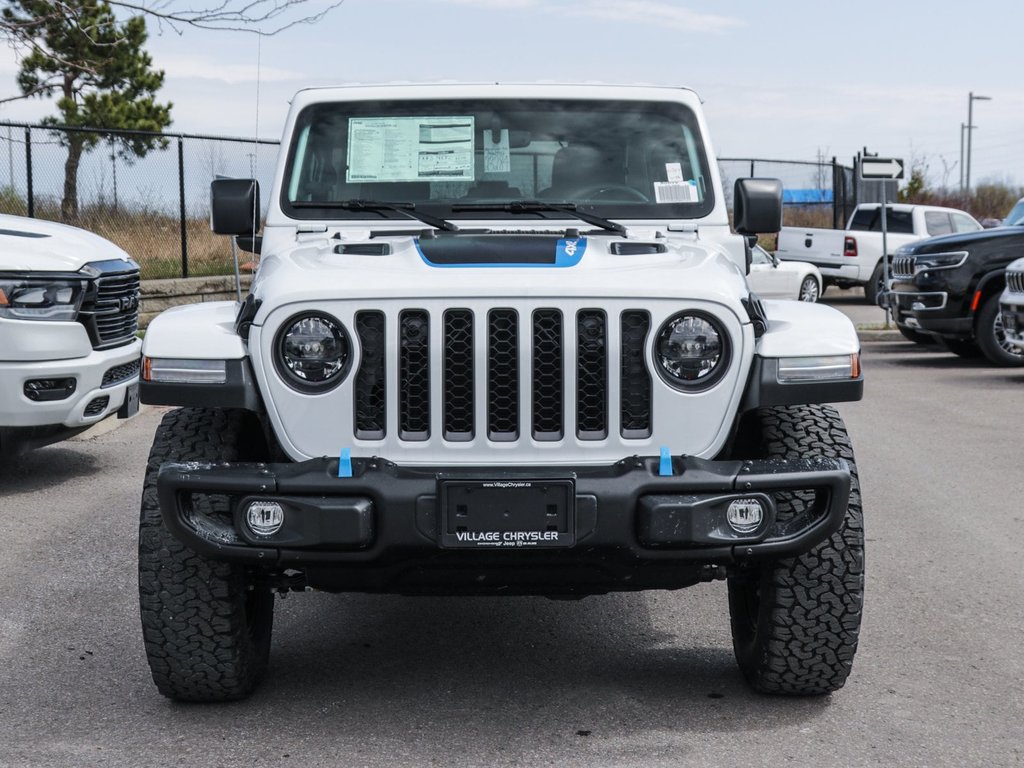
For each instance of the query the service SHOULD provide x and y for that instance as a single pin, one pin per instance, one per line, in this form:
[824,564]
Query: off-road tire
[991,340]
[206,624]
[875,285]
[795,622]
[916,336]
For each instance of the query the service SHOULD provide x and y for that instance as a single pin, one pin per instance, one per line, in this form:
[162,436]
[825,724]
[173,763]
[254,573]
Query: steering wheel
[607,192]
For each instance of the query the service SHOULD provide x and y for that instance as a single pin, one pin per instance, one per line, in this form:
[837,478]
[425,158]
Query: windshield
[615,159]
[1015,216]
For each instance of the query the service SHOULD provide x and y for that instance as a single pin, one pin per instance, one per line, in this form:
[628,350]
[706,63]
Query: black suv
[948,287]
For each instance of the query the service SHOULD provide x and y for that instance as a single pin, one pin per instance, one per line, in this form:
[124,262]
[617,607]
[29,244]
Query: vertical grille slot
[503,375]
[548,400]
[458,375]
[591,375]
[635,386]
[370,382]
[414,375]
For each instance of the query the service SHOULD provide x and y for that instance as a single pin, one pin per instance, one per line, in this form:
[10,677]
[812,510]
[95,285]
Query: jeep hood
[504,265]
[32,245]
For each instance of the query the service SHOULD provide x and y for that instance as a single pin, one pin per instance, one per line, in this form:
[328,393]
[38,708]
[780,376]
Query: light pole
[971,98]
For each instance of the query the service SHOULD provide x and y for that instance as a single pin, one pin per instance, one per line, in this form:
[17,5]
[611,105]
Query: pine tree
[99,70]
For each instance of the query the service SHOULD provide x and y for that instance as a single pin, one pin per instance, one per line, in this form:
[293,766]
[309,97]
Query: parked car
[486,354]
[1011,305]
[770,278]
[1016,215]
[69,308]
[853,256]
[948,288]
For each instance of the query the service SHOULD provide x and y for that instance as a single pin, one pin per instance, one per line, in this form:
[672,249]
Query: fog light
[264,518]
[745,515]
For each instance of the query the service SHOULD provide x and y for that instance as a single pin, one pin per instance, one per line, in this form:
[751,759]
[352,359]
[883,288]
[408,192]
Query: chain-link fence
[818,193]
[156,207]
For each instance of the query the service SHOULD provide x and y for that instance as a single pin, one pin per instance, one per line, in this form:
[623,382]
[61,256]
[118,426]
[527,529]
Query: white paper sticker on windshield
[675,192]
[497,158]
[674,171]
[410,149]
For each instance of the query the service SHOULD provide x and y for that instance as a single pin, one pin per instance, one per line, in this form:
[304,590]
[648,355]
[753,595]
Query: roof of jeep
[472,89]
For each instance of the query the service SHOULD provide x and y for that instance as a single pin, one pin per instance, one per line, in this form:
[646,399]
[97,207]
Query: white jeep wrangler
[500,342]
[69,310]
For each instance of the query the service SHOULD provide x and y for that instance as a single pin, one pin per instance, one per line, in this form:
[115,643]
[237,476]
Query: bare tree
[262,17]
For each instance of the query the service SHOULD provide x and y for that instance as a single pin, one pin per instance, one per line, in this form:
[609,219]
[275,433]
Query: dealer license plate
[507,514]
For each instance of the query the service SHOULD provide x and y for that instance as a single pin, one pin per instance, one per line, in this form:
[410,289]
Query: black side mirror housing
[235,206]
[757,206]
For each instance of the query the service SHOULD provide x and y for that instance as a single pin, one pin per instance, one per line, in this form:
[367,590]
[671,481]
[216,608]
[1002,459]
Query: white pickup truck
[853,256]
[69,310]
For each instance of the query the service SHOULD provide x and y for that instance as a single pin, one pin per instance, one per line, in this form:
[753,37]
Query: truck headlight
[40,299]
[692,350]
[313,352]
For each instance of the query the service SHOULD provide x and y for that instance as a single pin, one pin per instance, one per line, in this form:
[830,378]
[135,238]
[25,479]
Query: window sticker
[410,149]
[676,192]
[497,157]
[674,172]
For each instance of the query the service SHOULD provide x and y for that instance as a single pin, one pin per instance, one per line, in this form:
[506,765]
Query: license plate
[507,514]
[130,407]
[1009,321]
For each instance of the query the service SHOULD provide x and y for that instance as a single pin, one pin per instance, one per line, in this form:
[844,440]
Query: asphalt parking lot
[623,680]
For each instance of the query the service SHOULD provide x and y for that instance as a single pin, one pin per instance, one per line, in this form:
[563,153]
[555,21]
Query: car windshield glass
[1015,216]
[638,160]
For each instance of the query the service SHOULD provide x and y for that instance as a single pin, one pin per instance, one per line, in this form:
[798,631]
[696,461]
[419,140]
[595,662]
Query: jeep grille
[556,352]
[903,267]
[1015,281]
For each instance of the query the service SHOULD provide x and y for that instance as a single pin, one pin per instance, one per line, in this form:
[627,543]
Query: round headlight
[692,350]
[313,352]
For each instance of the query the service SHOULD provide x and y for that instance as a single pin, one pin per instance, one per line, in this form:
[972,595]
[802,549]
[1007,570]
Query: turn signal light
[850,246]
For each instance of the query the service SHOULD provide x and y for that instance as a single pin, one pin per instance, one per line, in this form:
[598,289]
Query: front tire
[992,338]
[206,624]
[875,285]
[796,622]
[810,291]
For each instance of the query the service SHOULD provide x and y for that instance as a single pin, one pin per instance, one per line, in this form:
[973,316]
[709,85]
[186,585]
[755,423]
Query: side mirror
[757,206]
[235,206]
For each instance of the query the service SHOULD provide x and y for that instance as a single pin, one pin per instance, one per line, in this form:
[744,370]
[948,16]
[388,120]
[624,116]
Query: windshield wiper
[407,209]
[542,206]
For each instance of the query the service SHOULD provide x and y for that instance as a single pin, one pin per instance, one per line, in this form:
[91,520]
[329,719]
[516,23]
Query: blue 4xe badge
[569,252]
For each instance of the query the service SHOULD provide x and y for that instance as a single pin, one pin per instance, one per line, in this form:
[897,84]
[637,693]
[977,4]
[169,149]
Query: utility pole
[962,126]
[971,98]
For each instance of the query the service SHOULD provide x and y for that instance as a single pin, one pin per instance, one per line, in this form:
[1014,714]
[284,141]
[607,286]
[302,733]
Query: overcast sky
[787,79]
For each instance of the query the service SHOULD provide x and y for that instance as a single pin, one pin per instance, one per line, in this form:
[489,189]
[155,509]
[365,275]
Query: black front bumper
[385,528]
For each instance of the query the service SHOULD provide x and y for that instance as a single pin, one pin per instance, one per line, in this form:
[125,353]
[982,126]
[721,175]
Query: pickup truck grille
[1015,281]
[559,354]
[903,267]
[110,311]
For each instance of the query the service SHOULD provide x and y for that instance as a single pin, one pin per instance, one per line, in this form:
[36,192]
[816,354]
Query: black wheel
[915,336]
[875,285]
[964,348]
[795,623]
[809,290]
[206,624]
[992,338]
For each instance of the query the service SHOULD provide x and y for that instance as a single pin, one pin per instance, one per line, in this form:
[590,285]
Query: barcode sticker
[675,192]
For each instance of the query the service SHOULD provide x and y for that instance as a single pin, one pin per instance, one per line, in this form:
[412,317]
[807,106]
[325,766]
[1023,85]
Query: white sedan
[770,278]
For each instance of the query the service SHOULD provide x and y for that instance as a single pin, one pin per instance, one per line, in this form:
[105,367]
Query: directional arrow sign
[881,168]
